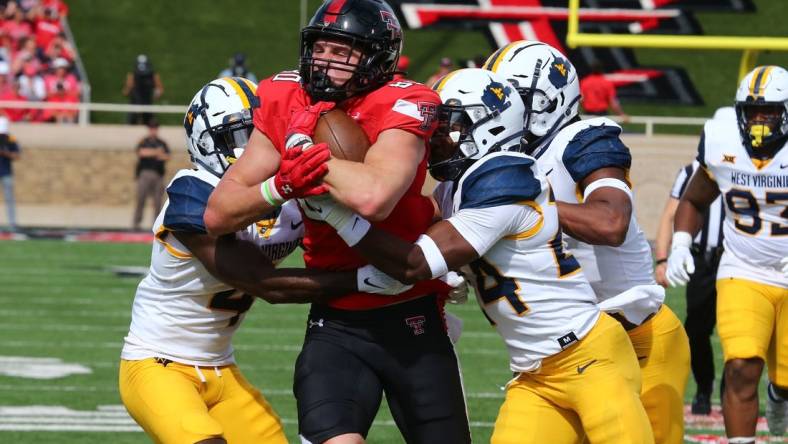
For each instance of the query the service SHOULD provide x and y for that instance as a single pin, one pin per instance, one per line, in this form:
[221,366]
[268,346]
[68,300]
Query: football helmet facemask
[368,26]
[219,122]
[480,113]
[548,86]
[762,110]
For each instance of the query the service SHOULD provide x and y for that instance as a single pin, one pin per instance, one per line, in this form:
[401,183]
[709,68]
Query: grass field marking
[240,347]
[104,419]
[97,314]
[40,367]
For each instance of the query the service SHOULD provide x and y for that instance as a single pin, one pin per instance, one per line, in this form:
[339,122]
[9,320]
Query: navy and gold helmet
[219,122]
[480,113]
[547,83]
[368,26]
[762,110]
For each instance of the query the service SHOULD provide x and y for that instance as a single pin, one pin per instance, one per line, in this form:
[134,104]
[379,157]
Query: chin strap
[544,141]
[207,168]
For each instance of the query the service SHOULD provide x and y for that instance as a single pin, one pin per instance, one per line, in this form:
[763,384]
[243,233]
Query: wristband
[353,231]
[433,255]
[607,182]
[681,239]
[664,260]
[298,139]
[270,193]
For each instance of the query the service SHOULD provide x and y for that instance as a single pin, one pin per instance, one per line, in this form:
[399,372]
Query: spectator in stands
[444,68]
[9,152]
[152,153]
[46,25]
[6,84]
[59,47]
[32,87]
[60,75]
[15,24]
[238,68]
[12,93]
[61,115]
[143,85]
[701,293]
[599,94]
[28,53]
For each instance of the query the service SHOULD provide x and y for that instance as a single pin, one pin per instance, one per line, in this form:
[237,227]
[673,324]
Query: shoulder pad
[593,148]
[500,180]
[188,196]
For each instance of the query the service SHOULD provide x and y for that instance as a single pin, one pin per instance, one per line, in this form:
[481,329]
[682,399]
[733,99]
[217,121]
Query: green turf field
[62,300]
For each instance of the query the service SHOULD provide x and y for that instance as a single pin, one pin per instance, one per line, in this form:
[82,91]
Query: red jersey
[597,93]
[400,104]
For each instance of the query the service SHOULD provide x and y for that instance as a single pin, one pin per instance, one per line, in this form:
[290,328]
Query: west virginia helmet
[219,122]
[762,110]
[547,83]
[480,113]
[371,27]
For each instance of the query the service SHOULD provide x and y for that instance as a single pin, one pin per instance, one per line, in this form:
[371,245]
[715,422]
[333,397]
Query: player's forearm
[665,229]
[296,285]
[397,258]
[362,188]
[689,217]
[233,206]
[594,222]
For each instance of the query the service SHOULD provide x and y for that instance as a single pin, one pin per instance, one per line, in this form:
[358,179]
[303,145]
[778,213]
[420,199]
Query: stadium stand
[37,60]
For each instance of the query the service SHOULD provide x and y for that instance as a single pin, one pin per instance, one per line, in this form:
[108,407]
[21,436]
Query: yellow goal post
[750,46]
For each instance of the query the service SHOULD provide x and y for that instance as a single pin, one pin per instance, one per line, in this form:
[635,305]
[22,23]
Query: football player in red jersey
[359,345]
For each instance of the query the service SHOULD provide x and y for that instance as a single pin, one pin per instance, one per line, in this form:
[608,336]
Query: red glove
[300,174]
[302,123]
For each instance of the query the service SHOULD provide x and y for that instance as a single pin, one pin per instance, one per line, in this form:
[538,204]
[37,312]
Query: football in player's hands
[345,138]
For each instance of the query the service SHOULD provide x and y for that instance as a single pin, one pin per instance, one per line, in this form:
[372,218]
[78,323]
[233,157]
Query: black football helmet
[371,27]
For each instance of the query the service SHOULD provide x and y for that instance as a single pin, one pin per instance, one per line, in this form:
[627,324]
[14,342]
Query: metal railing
[648,121]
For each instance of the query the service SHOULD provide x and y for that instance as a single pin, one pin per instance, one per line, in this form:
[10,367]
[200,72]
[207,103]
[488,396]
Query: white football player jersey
[576,151]
[181,312]
[529,287]
[755,230]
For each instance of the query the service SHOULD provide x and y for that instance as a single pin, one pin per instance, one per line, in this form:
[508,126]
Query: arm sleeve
[188,197]
[682,179]
[701,158]
[593,148]
[483,227]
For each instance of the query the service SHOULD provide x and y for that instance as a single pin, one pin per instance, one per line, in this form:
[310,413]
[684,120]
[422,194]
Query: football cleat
[776,412]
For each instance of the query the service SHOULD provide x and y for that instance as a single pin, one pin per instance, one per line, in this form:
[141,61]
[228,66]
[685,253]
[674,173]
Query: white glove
[784,263]
[350,226]
[372,280]
[680,262]
[459,292]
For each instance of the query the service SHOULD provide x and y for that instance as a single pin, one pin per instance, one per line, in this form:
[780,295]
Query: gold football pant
[178,403]
[752,320]
[662,349]
[592,388]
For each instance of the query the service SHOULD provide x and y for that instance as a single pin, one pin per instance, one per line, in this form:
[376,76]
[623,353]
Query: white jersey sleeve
[483,227]
[529,287]
[181,312]
[755,195]
[578,150]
